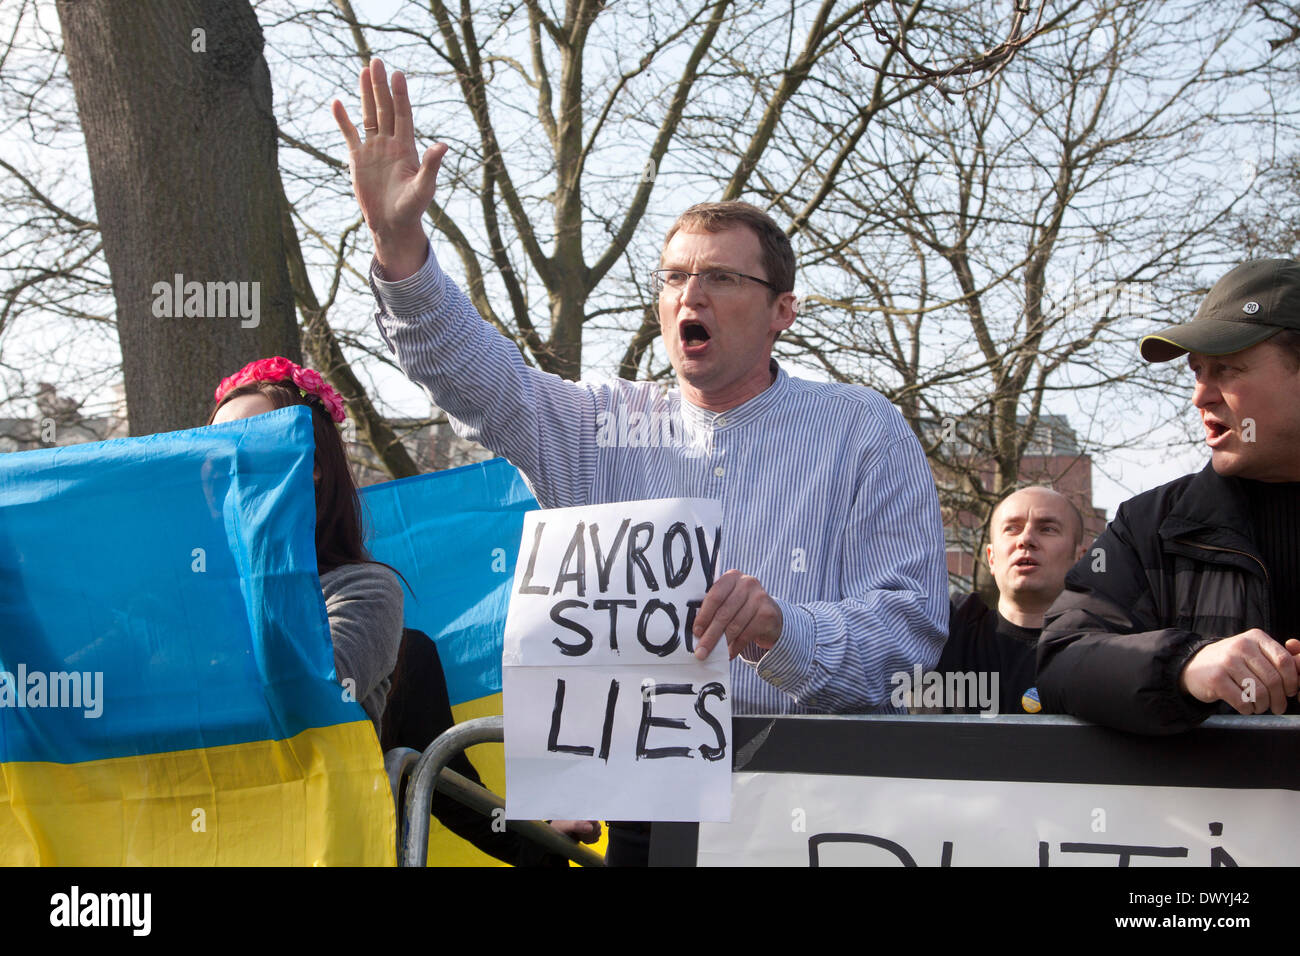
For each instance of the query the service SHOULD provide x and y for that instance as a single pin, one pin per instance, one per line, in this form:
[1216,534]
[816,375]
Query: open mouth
[1025,563]
[694,336]
[1215,431]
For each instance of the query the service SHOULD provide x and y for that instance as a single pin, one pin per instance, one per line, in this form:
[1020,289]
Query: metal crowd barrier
[428,771]
[863,790]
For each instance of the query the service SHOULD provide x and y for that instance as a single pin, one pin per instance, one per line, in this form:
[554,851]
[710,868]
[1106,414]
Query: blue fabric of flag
[181,566]
[454,535]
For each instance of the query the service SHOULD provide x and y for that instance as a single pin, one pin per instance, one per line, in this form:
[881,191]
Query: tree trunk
[175,102]
[327,358]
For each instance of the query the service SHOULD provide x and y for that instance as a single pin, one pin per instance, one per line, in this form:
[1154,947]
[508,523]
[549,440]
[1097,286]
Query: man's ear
[787,310]
[988,555]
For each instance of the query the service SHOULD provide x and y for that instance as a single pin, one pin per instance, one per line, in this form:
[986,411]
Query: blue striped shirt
[826,495]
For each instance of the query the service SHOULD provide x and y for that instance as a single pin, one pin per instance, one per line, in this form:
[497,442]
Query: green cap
[1255,300]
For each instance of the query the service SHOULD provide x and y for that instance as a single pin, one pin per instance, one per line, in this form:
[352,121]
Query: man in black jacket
[1189,603]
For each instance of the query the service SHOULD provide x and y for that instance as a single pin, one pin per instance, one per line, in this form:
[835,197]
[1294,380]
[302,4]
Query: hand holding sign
[579,831]
[738,606]
[609,711]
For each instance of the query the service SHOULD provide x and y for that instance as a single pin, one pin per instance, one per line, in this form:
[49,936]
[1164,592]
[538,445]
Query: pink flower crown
[278,369]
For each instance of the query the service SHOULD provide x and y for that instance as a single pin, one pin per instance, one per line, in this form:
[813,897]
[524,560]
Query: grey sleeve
[364,605]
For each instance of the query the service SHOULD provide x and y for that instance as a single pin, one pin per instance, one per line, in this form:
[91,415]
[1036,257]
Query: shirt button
[720,422]
[718,471]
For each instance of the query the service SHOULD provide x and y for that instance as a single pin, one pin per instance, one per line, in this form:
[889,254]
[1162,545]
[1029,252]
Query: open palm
[393,185]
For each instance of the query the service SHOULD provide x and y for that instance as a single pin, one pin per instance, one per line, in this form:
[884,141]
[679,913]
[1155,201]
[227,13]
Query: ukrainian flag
[455,535]
[167,691]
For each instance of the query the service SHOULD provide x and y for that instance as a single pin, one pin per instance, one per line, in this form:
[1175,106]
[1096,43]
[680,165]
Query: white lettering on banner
[608,714]
[910,821]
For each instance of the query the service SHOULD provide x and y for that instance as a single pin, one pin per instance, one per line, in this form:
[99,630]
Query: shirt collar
[749,411]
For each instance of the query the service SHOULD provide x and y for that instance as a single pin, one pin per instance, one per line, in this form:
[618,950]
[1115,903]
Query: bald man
[1035,536]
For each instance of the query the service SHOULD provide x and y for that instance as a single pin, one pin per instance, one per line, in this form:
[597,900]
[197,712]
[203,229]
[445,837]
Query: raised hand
[392,183]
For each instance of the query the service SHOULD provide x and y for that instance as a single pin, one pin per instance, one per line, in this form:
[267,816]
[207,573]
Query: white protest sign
[608,714]
[797,819]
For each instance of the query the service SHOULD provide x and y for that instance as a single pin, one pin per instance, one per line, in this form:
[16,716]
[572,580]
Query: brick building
[1052,458]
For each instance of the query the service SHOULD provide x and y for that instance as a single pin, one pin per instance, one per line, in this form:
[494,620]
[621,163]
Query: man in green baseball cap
[1188,604]
[1252,303]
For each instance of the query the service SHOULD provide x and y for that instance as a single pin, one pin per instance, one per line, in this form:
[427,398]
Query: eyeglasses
[712,281]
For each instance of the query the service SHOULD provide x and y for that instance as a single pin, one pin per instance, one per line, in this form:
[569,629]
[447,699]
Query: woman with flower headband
[362,597]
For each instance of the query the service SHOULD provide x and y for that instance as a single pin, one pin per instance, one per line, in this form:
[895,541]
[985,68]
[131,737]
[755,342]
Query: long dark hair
[338,509]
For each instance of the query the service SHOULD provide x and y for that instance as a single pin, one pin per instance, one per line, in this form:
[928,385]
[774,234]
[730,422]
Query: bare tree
[1285,16]
[964,72]
[1043,224]
[1269,224]
[175,105]
[55,291]
[569,127]
[576,134]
